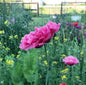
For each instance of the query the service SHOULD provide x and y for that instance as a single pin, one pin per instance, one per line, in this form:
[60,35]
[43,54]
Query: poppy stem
[85,78]
[45,50]
[54,45]
[70,76]
[81,67]
[46,83]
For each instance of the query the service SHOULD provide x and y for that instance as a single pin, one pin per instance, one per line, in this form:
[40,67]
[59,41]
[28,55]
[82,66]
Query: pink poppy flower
[70,60]
[39,37]
[26,42]
[53,27]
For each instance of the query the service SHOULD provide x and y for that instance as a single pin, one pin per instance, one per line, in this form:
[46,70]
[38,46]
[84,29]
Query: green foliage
[3,51]
[5,70]
[30,68]
[25,71]
[15,23]
[12,36]
[39,66]
[17,75]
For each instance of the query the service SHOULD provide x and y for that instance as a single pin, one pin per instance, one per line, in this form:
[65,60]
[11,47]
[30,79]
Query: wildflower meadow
[41,50]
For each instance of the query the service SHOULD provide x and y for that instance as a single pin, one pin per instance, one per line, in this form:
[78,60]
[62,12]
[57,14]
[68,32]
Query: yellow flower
[12,54]
[16,36]
[7,48]
[3,46]
[81,53]
[1,59]
[19,52]
[9,62]
[63,55]
[43,56]
[17,56]
[40,76]
[65,70]
[56,38]
[54,62]
[65,39]
[47,51]
[39,58]
[77,77]
[45,62]
[2,32]
[6,22]
[0,43]
[10,37]
[64,77]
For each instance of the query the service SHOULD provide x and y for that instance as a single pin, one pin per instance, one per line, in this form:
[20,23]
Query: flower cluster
[75,25]
[7,22]
[9,62]
[11,37]
[64,77]
[40,36]
[65,70]
[1,31]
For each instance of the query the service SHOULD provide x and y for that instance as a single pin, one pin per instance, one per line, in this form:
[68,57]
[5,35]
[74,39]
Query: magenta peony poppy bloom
[70,60]
[40,36]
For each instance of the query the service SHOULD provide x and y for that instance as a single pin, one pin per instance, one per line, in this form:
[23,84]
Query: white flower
[75,18]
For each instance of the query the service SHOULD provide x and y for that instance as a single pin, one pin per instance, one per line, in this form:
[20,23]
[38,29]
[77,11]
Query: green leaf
[17,75]
[30,66]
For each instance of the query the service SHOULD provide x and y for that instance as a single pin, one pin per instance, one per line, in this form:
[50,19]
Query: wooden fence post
[61,8]
[23,5]
[37,9]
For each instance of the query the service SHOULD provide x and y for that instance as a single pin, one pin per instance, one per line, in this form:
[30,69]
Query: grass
[40,21]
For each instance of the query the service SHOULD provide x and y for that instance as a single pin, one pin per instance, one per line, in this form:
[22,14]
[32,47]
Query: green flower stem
[85,78]
[82,59]
[46,83]
[45,50]
[81,67]
[47,78]
[70,78]
[54,45]
[85,55]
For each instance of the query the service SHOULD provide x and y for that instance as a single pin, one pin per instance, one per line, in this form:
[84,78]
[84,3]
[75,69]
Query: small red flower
[75,24]
[62,83]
